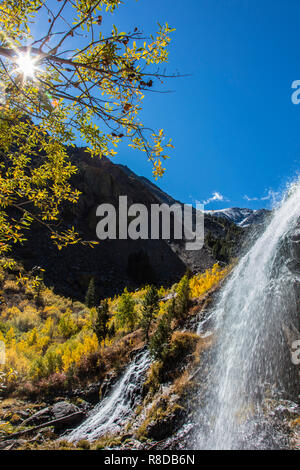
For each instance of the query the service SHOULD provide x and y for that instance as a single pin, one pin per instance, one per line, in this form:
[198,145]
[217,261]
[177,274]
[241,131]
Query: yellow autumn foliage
[56,334]
[202,283]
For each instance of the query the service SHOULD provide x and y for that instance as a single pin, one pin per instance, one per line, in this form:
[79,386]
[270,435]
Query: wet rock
[108,383]
[136,352]
[182,439]
[287,410]
[132,444]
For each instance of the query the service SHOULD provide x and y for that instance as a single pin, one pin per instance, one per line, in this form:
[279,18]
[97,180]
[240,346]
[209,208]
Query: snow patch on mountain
[241,217]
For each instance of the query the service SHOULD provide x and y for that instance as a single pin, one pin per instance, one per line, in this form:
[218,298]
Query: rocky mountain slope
[114,264]
[242,217]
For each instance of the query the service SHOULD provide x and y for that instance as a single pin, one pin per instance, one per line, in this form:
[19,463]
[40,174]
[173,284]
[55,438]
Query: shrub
[50,299]
[154,379]
[202,283]
[52,385]
[182,344]
[168,367]
[83,444]
[26,320]
[67,326]
[45,366]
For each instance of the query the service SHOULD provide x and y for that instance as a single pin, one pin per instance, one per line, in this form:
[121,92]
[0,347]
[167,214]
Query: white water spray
[251,351]
[112,413]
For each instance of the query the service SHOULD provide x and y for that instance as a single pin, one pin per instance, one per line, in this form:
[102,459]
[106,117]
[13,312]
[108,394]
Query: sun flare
[26,65]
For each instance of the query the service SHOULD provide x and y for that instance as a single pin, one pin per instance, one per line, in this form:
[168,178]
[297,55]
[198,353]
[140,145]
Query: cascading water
[113,412]
[251,352]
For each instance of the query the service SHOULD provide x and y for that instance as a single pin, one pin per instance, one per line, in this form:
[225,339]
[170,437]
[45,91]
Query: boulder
[63,408]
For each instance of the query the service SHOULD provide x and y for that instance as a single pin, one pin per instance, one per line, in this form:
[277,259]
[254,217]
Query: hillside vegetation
[54,344]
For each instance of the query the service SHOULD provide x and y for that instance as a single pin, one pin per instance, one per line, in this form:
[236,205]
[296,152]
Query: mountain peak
[243,217]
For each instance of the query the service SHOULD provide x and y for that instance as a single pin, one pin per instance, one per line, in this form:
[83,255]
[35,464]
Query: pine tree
[149,309]
[126,311]
[160,340]
[100,326]
[171,308]
[90,298]
[210,240]
[216,249]
[224,253]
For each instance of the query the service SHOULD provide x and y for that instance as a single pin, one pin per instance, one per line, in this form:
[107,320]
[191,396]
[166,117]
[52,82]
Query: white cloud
[215,197]
[270,196]
[251,198]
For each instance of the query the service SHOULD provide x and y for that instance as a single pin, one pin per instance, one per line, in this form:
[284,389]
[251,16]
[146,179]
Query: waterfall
[250,354]
[112,413]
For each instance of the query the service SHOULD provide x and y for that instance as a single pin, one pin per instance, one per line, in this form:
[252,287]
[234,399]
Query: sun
[26,65]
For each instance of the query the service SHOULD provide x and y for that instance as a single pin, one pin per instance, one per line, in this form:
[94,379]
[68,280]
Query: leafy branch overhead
[72,81]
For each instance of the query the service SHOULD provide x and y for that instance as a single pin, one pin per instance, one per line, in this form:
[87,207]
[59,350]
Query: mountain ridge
[243,217]
[116,264]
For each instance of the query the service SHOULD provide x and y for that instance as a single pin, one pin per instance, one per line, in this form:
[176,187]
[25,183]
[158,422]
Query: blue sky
[234,126]
[235,129]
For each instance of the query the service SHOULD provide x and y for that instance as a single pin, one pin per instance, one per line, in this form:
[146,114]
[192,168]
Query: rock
[83,405]
[70,414]
[63,408]
[40,417]
[109,381]
[165,428]
[287,409]
[90,393]
[69,421]
[135,352]
[23,414]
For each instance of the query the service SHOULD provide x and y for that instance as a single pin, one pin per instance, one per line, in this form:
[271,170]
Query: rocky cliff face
[113,263]
[288,259]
